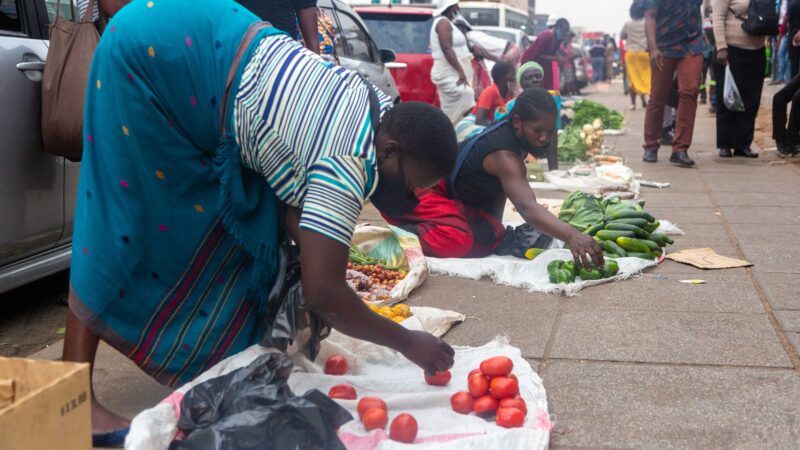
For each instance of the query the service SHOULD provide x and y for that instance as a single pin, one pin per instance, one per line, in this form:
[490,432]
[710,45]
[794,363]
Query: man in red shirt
[545,50]
[496,95]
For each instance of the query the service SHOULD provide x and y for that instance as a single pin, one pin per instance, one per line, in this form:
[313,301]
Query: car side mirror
[387,55]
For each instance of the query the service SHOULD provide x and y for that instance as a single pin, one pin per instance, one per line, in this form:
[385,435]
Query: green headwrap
[530,65]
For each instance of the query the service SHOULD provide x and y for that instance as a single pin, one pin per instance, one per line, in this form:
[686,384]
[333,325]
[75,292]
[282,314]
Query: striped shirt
[80,9]
[304,124]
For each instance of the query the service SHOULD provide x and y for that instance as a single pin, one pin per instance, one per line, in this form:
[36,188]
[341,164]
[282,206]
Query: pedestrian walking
[787,136]
[568,67]
[611,57]
[297,18]
[637,58]
[793,21]
[597,53]
[452,62]
[544,50]
[180,207]
[675,40]
[744,55]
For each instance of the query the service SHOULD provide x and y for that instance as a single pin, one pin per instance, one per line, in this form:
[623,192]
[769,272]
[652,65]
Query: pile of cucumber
[629,233]
[564,272]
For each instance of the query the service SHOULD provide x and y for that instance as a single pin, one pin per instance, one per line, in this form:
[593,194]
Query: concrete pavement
[648,362]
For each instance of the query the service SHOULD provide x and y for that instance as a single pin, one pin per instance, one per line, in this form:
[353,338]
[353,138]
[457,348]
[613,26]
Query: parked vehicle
[406,30]
[37,189]
[357,50]
[514,35]
[583,67]
[480,14]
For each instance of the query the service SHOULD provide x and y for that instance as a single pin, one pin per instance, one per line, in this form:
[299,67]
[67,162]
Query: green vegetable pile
[564,272]
[586,111]
[571,145]
[622,228]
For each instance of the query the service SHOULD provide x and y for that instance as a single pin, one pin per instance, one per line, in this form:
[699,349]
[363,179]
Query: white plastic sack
[529,275]
[155,428]
[591,179]
[398,248]
[731,96]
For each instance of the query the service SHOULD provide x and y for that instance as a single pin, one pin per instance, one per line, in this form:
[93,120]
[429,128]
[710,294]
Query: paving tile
[679,200]
[762,181]
[773,234]
[704,215]
[669,337]
[784,215]
[613,405]
[702,235]
[723,292]
[771,258]
[794,338]
[492,310]
[782,289]
[786,198]
[789,320]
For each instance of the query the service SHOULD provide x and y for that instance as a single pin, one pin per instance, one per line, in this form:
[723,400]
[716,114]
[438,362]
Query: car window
[10,19]
[356,40]
[403,33]
[65,8]
[482,16]
[516,20]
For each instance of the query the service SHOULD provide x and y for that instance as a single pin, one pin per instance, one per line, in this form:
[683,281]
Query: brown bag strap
[237,58]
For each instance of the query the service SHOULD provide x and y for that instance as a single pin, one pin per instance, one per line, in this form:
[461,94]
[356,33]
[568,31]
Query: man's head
[561,28]
[417,142]
[503,74]
[534,117]
[530,75]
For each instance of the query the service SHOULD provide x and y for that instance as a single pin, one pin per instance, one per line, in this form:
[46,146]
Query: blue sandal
[110,439]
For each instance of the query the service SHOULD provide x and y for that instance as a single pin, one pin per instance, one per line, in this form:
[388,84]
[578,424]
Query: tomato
[499,366]
[485,406]
[368,403]
[404,428]
[513,377]
[336,365]
[473,372]
[515,402]
[510,417]
[375,418]
[440,379]
[462,402]
[503,387]
[477,385]
[343,392]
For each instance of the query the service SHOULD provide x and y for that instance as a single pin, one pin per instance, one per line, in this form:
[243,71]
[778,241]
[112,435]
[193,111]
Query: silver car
[37,189]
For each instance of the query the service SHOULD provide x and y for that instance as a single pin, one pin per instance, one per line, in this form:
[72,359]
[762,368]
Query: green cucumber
[594,229]
[637,245]
[641,255]
[613,235]
[651,227]
[611,255]
[632,215]
[612,247]
[661,239]
[641,223]
[616,226]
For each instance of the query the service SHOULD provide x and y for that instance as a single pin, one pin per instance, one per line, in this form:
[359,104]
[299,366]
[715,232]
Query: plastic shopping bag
[731,97]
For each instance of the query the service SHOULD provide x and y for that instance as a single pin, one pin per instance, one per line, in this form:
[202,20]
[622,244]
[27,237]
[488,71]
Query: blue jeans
[598,68]
[784,66]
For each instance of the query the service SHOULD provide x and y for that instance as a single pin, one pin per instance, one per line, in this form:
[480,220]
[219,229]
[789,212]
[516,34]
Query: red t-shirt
[491,99]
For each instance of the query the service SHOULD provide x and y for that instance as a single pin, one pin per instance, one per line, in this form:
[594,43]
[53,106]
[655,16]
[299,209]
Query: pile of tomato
[492,391]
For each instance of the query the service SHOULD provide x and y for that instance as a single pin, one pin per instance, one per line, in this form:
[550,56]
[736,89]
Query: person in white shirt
[452,62]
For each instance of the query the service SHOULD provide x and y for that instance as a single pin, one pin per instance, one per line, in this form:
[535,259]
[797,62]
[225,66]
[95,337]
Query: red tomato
[485,406]
[473,372]
[404,428]
[343,392]
[440,379]
[368,403]
[375,418]
[510,417]
[503,387]
[462,402]
[336,365]
[499,366]
[513,377]
[477,385]
[515,402]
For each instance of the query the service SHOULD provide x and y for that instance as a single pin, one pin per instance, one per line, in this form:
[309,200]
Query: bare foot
[104,420]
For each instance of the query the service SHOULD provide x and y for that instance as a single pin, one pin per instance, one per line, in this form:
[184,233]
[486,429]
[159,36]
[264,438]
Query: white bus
[496,15]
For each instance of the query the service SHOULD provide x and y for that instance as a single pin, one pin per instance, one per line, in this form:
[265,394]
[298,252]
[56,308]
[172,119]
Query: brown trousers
[688,69]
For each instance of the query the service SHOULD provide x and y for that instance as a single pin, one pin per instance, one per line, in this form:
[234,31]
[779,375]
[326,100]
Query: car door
[359,53]
[31,181]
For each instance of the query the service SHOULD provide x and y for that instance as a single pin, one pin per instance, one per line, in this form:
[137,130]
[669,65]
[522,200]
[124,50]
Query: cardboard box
[44,405]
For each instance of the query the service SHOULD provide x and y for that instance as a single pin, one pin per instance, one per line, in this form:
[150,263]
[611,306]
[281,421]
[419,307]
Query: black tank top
[473,185]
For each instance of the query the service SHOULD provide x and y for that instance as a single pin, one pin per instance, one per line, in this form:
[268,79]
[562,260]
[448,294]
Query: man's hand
[580,245]
[656,59]
[722,56]
[432,354]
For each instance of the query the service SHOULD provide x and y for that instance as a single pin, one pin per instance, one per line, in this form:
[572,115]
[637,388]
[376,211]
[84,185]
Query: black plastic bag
[286,313]
[521,238]
[254,408]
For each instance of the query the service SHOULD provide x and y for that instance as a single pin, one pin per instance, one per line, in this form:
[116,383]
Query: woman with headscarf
[452,62]
[209,136]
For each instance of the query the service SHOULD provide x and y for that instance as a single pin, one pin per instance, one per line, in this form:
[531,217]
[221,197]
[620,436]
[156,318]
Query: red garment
[449,229]
[490,99]
[544,45]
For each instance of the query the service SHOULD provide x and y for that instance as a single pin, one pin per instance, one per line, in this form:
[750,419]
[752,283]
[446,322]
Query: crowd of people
[187,190]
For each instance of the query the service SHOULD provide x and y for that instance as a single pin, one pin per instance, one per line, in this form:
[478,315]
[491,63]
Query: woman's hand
[462,79]
[581,245]
[722,56]
[432,354]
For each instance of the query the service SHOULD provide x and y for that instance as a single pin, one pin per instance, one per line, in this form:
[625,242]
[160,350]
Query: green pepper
[564,276]
[593,274]
[569,266]
[553,265]
[610,268]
